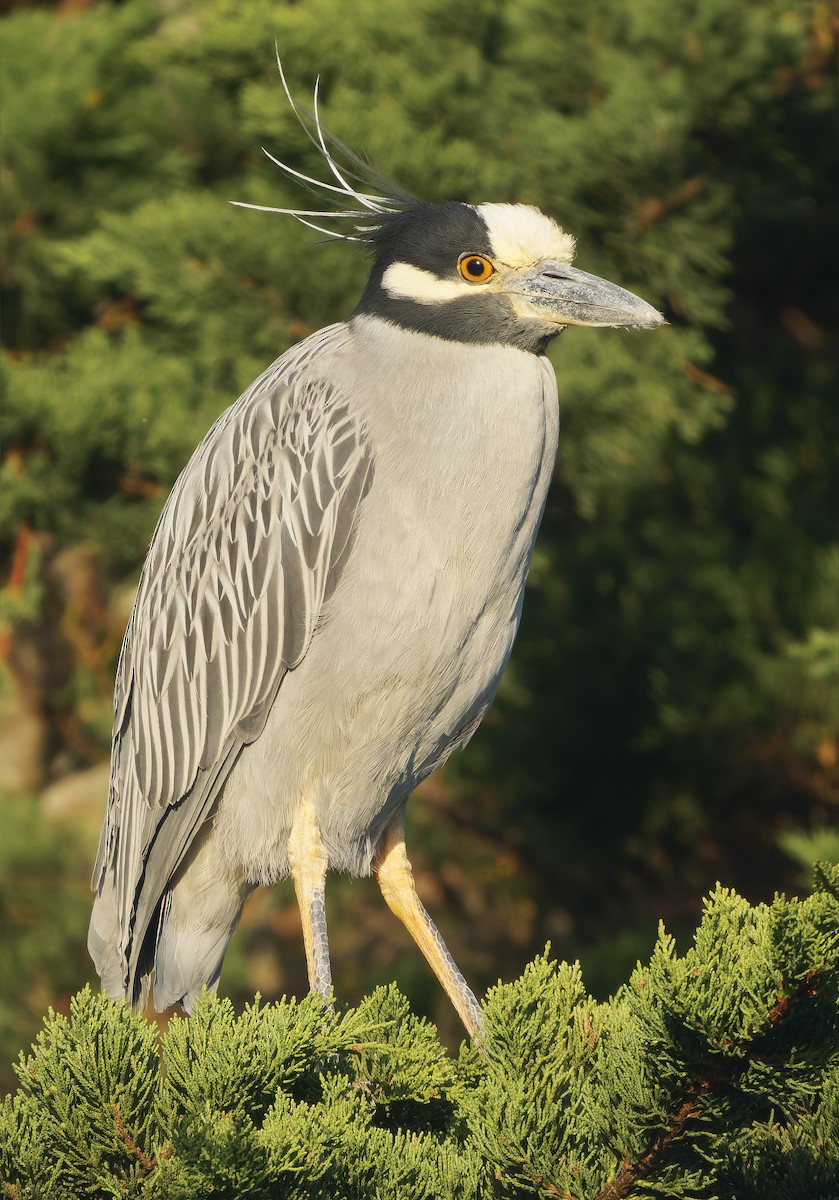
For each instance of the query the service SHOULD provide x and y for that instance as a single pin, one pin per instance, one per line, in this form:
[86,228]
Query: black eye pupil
[475,266]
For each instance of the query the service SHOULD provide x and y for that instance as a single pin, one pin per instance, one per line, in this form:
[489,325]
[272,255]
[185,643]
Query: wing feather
[243,556]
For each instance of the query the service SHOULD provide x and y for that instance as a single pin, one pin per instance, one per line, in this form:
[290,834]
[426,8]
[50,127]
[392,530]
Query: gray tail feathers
[185,945]
[103,944]
[187,961]
[197,921]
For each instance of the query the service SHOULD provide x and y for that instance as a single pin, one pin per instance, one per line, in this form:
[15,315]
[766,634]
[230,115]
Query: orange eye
[475,268]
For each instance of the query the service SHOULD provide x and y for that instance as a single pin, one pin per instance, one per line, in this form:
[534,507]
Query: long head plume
[347,195]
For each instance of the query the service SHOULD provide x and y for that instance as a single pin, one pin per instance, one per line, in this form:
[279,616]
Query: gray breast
[412,643]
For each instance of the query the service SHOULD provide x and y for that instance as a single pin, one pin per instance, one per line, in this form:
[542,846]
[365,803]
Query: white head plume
[350,202]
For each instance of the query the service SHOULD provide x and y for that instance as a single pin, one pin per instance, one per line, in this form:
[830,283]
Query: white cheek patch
[522,235]
[404,282]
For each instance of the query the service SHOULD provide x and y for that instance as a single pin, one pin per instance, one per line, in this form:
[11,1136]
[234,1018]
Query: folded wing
[247,548]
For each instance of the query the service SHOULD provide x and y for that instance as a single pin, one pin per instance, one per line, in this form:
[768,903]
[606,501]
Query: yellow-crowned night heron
[334,587]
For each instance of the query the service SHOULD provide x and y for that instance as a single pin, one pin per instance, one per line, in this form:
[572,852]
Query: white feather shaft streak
[375,203]
[298,216]
[344,237]
[295,108]
[297,212]
[325,149]
[318,141]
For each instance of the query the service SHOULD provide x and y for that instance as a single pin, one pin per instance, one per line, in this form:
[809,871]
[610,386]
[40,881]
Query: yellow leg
[396,879]
[308,860]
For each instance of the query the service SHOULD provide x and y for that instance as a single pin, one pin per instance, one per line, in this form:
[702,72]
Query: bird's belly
[358,741]
[406,658]
[433,649]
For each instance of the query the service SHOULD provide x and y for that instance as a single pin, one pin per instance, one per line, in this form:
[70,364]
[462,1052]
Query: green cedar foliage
[710,1075]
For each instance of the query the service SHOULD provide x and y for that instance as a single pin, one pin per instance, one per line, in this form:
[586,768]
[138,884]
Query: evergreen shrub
[708,1076]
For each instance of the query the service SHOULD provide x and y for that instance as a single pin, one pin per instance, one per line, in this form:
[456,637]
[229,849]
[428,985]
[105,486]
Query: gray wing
[245,552]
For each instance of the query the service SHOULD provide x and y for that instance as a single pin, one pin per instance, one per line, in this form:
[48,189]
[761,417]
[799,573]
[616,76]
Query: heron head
[475,273]
[489,273]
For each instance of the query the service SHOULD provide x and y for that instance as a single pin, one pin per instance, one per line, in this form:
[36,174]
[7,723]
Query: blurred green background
[670,714]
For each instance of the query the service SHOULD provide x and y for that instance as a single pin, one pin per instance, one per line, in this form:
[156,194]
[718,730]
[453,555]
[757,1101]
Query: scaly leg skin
[396,879]
[308,860]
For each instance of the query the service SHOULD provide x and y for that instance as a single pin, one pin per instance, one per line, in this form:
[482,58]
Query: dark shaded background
[670,714]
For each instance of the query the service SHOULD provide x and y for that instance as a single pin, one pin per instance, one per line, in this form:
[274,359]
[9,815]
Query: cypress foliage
[709,1075]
